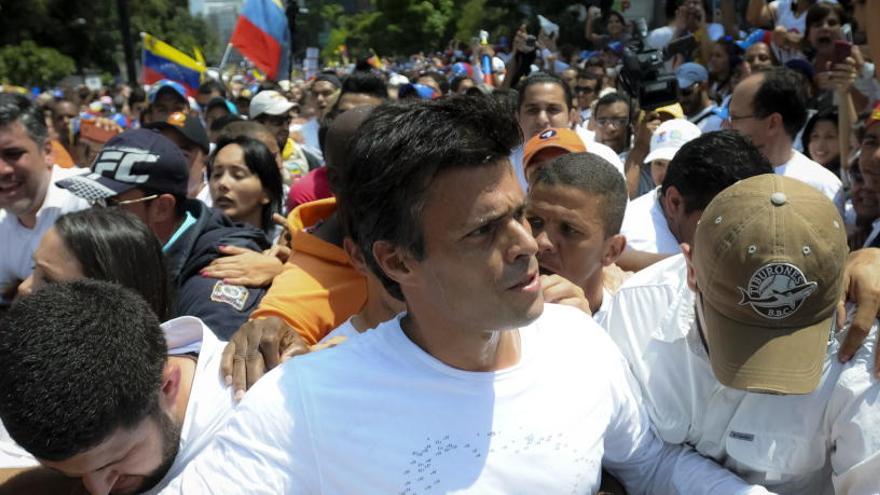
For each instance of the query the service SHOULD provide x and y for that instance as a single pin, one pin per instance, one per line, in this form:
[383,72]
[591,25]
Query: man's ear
[673,202]
[775,121]
[689,259]
[171,378]
[47,153]
[614,246]
[163,209]
[355,255]
[394,262]
[574,116]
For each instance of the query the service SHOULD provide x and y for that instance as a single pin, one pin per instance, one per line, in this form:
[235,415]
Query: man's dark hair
[541,78]
[704,167]
[781,91]
[78,361]
[456,83]
[612,98]
[97,236]
[212,85]
[399,150]
[365,83]
[260,162]
[220,123]
[585,74]
[593,175]
[15,107]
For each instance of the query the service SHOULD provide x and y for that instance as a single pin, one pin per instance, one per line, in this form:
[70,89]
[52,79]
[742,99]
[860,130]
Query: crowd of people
[646,264]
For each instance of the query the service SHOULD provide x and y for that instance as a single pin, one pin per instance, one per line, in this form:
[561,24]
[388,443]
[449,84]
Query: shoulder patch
[233,295]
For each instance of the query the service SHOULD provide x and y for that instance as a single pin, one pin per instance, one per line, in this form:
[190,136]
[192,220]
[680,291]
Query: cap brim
[661,154]
[527,159]
[766,359]
[278,109]
[93,187]
[685,83]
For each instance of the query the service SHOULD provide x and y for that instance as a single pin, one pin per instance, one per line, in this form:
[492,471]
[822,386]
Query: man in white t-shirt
[659,221]
[770,108]
[575,208]
[545,102]
[29,200]
[735,348]
[145,399]
[479,387]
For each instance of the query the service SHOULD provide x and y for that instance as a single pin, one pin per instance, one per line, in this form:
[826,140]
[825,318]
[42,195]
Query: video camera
[644,70]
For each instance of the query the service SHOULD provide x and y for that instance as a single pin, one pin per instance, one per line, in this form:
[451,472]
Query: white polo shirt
[378,415]
[645,227]
[18,243]
[792,444]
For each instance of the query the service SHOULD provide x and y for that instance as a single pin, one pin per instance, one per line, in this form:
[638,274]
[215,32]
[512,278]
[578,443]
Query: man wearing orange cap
[555,142]
[734,343]
[869,164]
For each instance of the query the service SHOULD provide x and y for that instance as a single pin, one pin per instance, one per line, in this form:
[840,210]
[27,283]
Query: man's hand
[559,290]
[646,129]
[244,267]
[861,281]
[257,347]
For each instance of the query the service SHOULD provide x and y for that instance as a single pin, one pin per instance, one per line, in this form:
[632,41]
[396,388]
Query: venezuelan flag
[261,34]
[163,61]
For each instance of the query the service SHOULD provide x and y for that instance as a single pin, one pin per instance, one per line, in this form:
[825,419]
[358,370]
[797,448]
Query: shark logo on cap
[549,133]
[777,290]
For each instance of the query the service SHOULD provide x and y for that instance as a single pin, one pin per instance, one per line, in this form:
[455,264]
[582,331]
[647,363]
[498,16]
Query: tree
[29,64]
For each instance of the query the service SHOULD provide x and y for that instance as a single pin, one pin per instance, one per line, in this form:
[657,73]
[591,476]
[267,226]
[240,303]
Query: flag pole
[225,57]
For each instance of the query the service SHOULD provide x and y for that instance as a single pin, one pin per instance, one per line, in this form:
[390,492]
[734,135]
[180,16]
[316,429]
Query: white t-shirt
[346,330]
[601,313]
[379,415]
[785,16]
[645,227]
[708,120]
[210,400]
[792,444]
[517,155]
[805,170]
[875,232]
[660,37]
[18,243]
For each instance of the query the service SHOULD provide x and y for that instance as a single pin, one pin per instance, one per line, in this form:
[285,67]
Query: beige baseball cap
[769,255]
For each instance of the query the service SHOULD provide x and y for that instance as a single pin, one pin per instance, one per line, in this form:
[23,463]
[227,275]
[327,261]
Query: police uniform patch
[233,295]
[777,290]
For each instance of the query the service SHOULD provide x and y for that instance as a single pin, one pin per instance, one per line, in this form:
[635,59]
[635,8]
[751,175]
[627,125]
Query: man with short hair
[30,201]
[545,102]
[586,89]
[272,109]
[322,95]
[361,89]
[186,131]
[165,97]
[477,347]
[576,205]
[614,123]
[770,108]
[63,111]
[154,397]
[209,90]
[659,221]
[693,94]
[144,173]
[734,343]
[869,165]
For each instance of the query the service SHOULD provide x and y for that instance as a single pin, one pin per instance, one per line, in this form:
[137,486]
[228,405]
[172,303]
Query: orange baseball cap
[873,117]
[565,139]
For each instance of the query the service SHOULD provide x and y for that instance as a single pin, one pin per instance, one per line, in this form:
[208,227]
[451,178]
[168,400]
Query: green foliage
[89,32]
[29,64]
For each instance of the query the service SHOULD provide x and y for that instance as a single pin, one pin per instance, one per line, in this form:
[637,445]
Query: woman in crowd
[820,140]
[608,28]
[724,58]
[245,182]
[104,244]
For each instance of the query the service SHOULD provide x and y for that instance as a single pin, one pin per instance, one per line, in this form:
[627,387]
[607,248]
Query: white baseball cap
[670,137]
[269,102]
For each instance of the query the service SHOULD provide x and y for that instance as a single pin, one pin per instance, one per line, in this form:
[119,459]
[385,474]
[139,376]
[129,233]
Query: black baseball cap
[187,125]
[137,158]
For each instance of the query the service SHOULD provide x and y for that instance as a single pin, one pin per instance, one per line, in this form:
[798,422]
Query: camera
[644,73]
[531,41]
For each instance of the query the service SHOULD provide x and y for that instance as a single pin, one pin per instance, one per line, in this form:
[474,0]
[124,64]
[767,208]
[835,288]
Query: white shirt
[645,227]
[18,243]
[707,120]
[346,330]
[792,444]
[875,232]
[210,400]
[785,16]
[805,170]
[603,151]
[660,37]
[379,415]
[601,313]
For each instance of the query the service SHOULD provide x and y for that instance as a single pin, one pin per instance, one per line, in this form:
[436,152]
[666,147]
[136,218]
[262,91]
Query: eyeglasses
[733,118]
[113,203]
[584,89]
[616,122]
